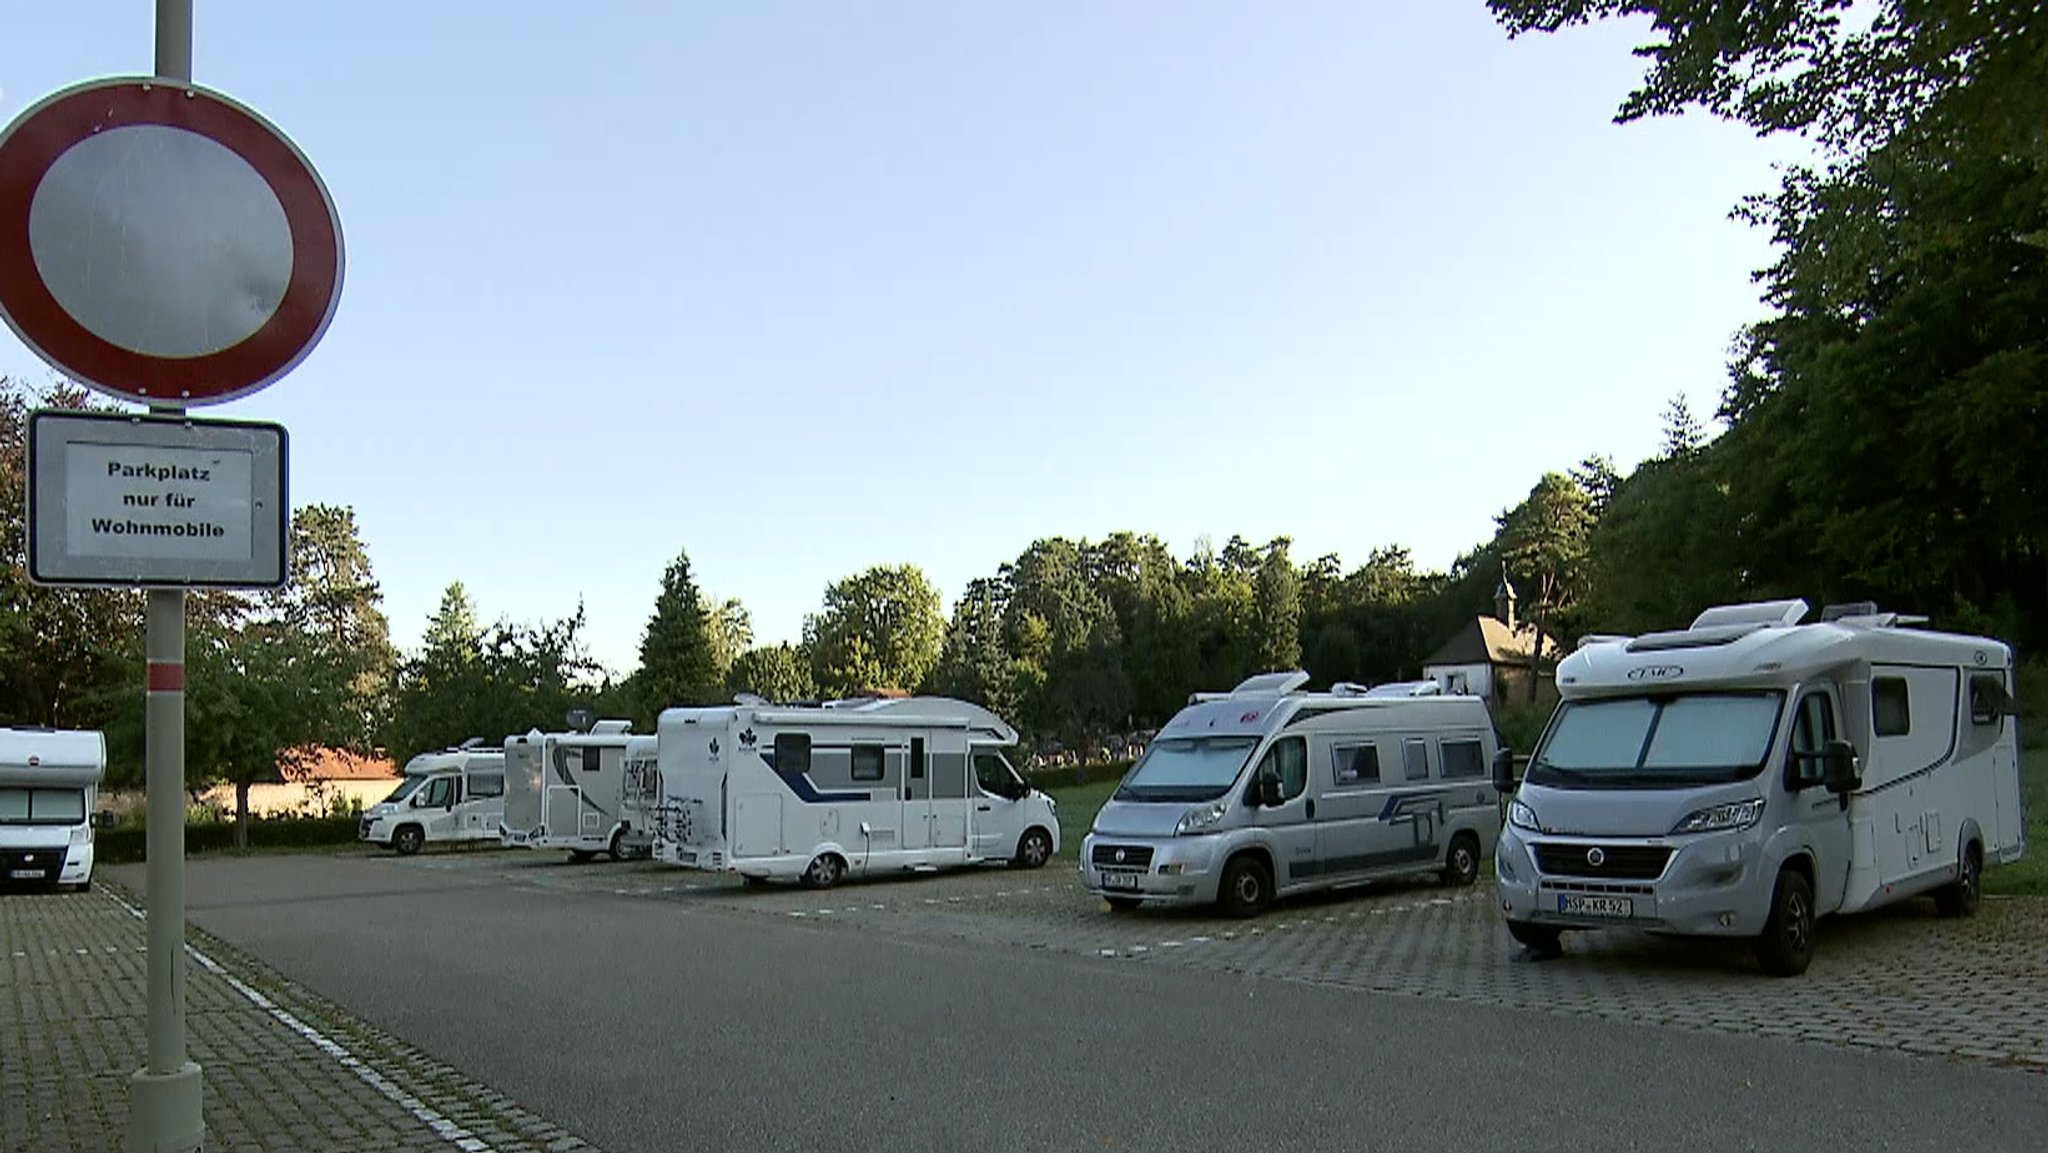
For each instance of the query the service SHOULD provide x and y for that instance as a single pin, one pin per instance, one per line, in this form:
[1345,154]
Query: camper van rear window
[487,785]
[1891,707]
[792,752]
[1463,759]
[1357,764]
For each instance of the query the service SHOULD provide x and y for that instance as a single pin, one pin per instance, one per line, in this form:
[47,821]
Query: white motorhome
[1752,773]
[815,793]
[1267,791]
[49,781]
[568,791]
[451,795]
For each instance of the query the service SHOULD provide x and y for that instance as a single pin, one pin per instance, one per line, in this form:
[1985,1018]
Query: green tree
[1544,541]
[776,672]
[879,629]
[974,658]
[678,651]
[436,688]
[1276,609]
[731,631]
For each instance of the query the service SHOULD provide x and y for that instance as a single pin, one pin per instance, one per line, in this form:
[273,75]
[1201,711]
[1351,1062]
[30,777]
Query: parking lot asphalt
[645,1009]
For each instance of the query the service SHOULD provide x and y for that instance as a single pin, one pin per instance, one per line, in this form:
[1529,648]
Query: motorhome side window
[486,785]
[1287,760]
[1811,733]
[1463,759]
[993,775]
[793,752]
[593,758]
[1357,764]
[1891,708]
[867,762]
[1415,757]
[440,793]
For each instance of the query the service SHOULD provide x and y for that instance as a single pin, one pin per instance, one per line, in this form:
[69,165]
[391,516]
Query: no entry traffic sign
[163,243]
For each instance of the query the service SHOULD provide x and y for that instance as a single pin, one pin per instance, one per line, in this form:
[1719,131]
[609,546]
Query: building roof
[1486,641]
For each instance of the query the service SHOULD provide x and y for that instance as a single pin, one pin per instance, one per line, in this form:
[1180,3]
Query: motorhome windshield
[1187,769]
[20,805]
[405,789]
[1664,741]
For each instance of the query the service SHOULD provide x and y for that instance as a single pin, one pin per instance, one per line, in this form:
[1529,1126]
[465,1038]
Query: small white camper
[49,781]
[568,791]
[814,793]
[1750,774]
[455,794]
[641,800]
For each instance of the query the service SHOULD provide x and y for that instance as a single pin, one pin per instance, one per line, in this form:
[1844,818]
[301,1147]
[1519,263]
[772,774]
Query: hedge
[1068,776]
[123,846]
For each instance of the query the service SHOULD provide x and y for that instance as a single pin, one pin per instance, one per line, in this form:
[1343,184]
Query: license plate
[1120,881]
[1596,906]
[27,874]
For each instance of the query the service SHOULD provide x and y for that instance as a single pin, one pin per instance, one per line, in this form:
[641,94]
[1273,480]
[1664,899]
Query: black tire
[1461,862]
[824,871]
[1247,887]
[1034,849]
[616,850]
[1541,938]
[407,839]
[1961,898]
[1786,946]
[1123,904]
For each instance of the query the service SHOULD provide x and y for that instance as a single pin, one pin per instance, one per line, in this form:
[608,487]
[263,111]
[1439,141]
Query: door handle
[982,809]
[906,792]
[1311,808]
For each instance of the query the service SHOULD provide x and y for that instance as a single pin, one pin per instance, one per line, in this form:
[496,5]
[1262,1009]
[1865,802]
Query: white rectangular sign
[130,500]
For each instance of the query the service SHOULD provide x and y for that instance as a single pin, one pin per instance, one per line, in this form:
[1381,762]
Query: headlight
[1522,816]
[1721,818]
[1199,820]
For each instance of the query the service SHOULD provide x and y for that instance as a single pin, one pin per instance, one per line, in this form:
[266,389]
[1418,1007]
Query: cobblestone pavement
[284,1071]
[1901,979]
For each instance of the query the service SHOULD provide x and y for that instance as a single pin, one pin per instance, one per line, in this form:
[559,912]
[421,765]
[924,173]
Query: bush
[1521,725]
[125,846]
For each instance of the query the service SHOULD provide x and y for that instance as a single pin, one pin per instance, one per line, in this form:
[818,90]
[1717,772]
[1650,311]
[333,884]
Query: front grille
[32,864]
[1616,862]
[1599,888]
[1123,856]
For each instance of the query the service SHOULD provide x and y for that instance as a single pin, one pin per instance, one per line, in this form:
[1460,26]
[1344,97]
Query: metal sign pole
[165,1096]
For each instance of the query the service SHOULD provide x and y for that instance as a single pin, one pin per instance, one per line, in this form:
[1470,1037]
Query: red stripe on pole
[166,678]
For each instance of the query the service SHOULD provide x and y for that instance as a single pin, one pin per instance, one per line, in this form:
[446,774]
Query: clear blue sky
[807,287]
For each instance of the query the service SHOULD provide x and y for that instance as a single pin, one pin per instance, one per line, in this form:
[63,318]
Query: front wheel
[617,849]
[1539,938]
[1034,849]
[824,872]
[1786,946]
[1961,897]
[408,839]
[1247,888]
[1461,863]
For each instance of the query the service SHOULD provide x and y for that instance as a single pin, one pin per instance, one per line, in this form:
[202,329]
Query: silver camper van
[1750,774]
[1268,791]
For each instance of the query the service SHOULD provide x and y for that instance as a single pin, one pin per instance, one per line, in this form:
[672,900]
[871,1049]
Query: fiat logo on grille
[1596,856]
[1119,856]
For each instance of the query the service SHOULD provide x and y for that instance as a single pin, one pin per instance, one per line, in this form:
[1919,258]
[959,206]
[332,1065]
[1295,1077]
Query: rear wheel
[408,839]
[1247,887]
[1461,863]
[1541,938]
[1960,898]
[1786,946]
[1034,849]
[617,849]
[824,872]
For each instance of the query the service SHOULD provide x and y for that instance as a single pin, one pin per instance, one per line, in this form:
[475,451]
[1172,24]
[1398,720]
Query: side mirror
[1504,771]
[1269,791]
[1840,772]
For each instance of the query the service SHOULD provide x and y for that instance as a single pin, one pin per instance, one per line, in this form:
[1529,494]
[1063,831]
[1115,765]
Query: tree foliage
[878,630]
[681,648]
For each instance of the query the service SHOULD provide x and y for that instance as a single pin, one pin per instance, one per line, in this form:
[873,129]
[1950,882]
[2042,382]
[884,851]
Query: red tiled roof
[338,765]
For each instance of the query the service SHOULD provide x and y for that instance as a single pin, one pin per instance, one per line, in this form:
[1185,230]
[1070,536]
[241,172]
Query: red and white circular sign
[163,243]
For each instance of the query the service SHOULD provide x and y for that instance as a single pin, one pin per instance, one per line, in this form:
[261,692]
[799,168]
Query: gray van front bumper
[1709,885]
[1154,870]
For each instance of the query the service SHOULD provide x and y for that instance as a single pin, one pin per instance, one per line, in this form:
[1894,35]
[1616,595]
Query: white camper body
[568,791]
[814,793]
[49,783]
[451,795]
[1749,774]
[641,801]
